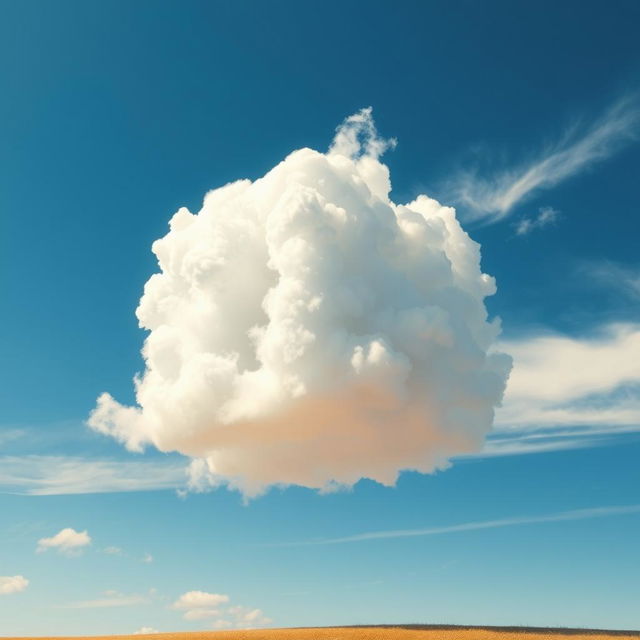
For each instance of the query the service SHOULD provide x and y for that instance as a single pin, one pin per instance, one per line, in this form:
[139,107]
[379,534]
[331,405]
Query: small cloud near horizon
[201,605]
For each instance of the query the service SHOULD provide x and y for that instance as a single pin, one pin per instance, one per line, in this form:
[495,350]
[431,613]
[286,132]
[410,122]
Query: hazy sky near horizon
[525,118]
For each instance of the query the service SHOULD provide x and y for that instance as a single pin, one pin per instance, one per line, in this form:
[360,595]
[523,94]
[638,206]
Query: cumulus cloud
[246,618]
[546,216]
[305,329]
[559,380]
[199,600]
[492,199]
[67,541]
[12,584]
[200,605]
[145,630]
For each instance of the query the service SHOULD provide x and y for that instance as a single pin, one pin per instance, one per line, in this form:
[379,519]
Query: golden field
[379,633]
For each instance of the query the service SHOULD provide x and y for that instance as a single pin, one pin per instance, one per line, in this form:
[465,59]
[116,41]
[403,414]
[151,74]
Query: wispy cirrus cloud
[562,381]
[622,278]
[59,475]
[112,551]
[492,198]
[108,600]
[8,435]
[515,442]
[568,392]
[563,516]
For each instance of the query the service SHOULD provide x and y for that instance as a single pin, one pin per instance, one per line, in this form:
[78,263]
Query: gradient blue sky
[114,114]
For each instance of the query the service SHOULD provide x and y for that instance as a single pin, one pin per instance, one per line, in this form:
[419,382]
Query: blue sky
[526,119]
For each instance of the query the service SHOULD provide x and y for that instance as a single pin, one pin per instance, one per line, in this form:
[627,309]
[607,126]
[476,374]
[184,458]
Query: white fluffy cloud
[199,600]
[200,605]
[12,584]
[246,618]
[305,329]
[67,541]
[558,380]
[144,631]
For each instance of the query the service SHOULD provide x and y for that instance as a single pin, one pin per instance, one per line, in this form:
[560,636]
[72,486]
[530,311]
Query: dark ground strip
[561,631]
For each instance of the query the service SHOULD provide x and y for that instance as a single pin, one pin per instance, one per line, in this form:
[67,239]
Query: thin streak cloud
[63,475]
[576,514]
[559,380]
[490,199]
[111,599]
[618,277]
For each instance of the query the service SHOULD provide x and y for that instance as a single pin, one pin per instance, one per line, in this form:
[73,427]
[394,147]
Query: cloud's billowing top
[12,584]
[200,600]
[67,541]
[305,329]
